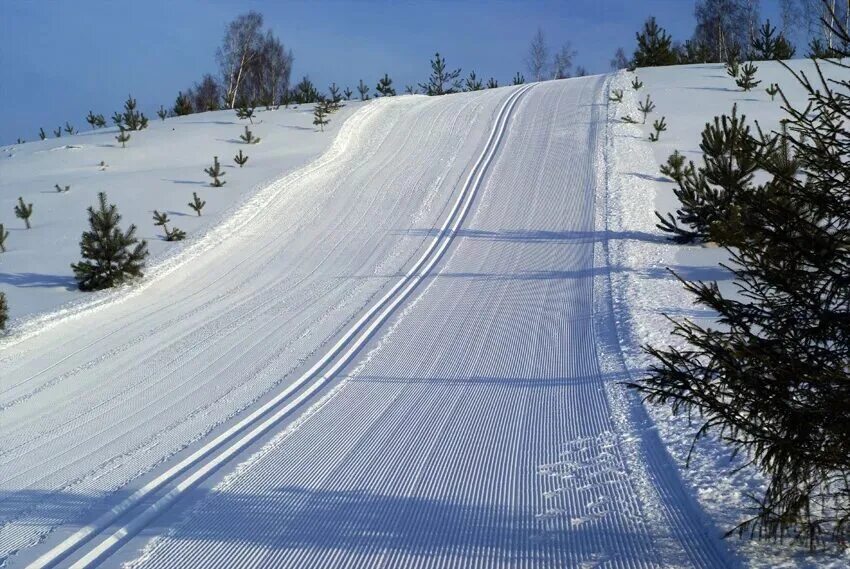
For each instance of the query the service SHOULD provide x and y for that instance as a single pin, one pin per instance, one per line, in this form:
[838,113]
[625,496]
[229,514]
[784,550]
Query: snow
[397,343]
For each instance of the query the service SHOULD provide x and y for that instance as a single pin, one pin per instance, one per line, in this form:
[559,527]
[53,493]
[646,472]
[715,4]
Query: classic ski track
[424,465]
[203,461]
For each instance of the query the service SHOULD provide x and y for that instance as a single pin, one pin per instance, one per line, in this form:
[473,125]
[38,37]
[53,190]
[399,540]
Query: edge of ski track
[408,282]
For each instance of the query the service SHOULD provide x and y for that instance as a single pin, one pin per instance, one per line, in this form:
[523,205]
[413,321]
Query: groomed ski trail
[484,427]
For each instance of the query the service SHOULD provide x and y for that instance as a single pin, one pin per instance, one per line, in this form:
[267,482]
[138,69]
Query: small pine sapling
[636,84]
[197,203]
[23,211]
[659,126]
[4,311]
[674,168]
[123,136]
[215,173]
[347,94]
[519,78]
[69,129]
[732,68]
[240,158]
[3,235]
[320,116]
[629,120]
[645,107]
[473,83]
[117,119]
[58,132]
[747,80]
[336,96]
[20,141]
[363,89]
[772,90]
[385,86]
[91,118]
[248,137]
[41,134]
[245,111]
[61,190]
[162,113]
[492,83]
[616,96]
[174,234]
[410,89]
[100,121]
[133,119]
[110,256]
[160,219]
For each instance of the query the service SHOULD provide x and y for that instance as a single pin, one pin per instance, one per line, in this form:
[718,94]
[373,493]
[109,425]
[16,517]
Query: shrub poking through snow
[248,137]
[60,189]
[674,168]
[3,236]
[123,136]
[519,78]
[772,90]
[69,129]
[162,113]
[616,96]
[197,203]
[215,173]
[645,107]
[636,84]
[4,311]
[240,158]
[772,379]
[110,256]
[747,80]
[658,126]
[245,111]
[41,134]
[23,211]
[320,113]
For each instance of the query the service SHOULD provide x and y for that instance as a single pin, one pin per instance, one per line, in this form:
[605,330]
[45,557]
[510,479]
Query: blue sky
[62,58]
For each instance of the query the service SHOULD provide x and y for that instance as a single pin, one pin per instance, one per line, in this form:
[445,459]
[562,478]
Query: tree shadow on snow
[38,280]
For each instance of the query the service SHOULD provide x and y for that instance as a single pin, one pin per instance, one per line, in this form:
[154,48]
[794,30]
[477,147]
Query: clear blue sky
[61,58]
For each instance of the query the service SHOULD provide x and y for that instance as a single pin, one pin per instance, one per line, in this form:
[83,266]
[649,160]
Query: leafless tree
[620,61]
[206,95]
[269,74]
[241,46]
[538,56]
[563,62]
[724,26]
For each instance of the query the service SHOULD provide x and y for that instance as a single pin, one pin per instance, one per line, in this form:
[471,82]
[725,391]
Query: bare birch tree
[241,46]
[538,56]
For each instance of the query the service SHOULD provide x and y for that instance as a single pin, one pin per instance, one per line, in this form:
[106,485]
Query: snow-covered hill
[404,351]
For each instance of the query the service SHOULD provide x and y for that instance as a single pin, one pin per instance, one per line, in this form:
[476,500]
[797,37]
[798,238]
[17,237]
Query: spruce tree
[23,211]
[4,311]
[123,136]
[442,81]
[385,86]
[655,46]
[3,236]
[197,203]
[473,83]
[41,134]
[363,89]
[248,137]
[240,158]
[519,79]
[772,379]
[747,80]
[215,172]
[319,116]
[110,256]
[183,105]
[767,45]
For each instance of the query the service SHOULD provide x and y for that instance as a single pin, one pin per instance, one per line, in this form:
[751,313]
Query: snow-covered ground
[403,351]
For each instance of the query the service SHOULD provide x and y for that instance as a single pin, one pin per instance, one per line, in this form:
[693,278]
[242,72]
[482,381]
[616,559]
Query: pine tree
[674,168]
[174,234]
[473,83]
[197,203]
[655,46]
[442,81]
[733,68]
[3,236]
[336,97]
[4,311]
[123,136]
[69,129]
[645,107]
[658,126]
[245,111]
[319,116]
[772,379]
[363,89]
[240,159]
[616,96]
[306,92]
[215,172]
[637,84]
[58,132]
[747,80]
[410,89]
[23,211]
[385,86]
[248,137]
[160,219]
[772,90]
[41,134]
[730,159]
[767,46]
[91,118]
[133,119]
[117,119]
[110,256]
[492,83]
[162,113]
[183,105]
[519,79]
